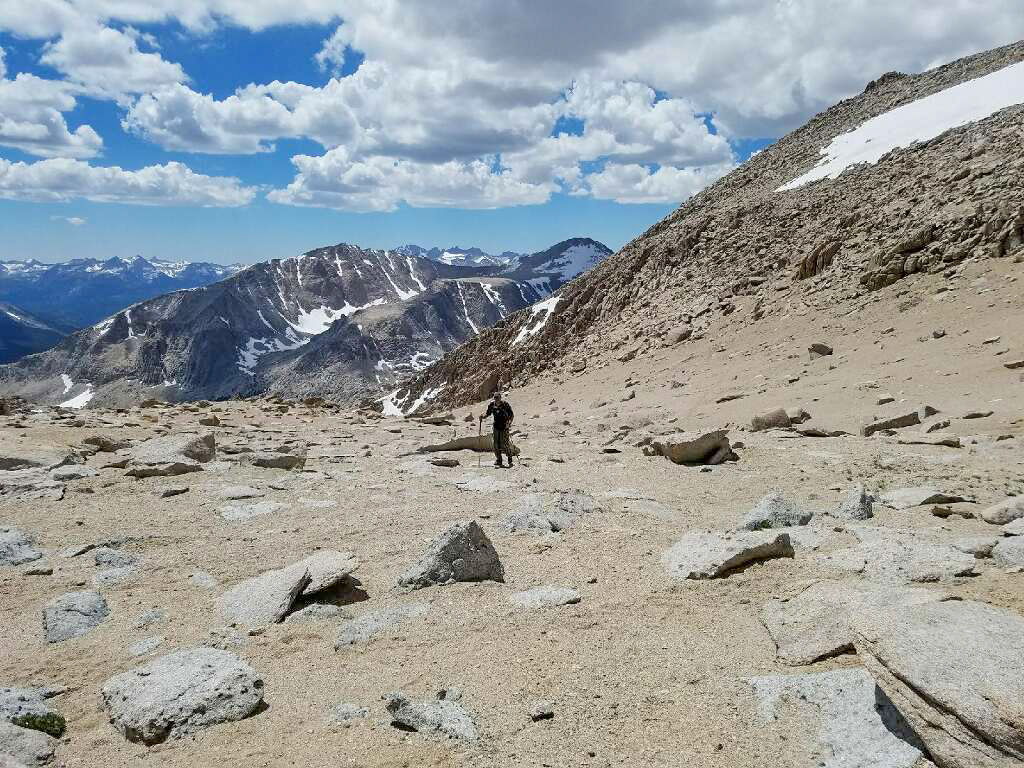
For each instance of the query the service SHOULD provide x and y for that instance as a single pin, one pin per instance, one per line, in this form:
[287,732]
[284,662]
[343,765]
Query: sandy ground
[644,670]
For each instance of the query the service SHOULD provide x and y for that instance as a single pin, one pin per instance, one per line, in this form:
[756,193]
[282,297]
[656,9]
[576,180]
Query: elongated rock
[705,555]
[955,670]
[264,599]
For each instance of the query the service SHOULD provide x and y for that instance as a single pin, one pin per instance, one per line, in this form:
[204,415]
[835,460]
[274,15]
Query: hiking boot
[498,465]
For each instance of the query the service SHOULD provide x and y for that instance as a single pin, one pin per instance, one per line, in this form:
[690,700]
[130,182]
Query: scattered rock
[977,414]
[774,511]
[72,472]
[905,498]
[73,615]
[181,693]
[895,556]
[836,719]
[818,349]
[710,555]
[711,448]
[249,511]
[542,710]
[106,444]
[363,628]
[443,462]
[16,548]
[443,715]
[344,713]
[313,612]
[171,455]
[777,419]
[327,567]
[955,670]
[545,597]
[908,419]
[1005,511]
[167,493]
[979,546]
[1009,553]
[856,505]
[532,515]
[263,599]
[461,553]
[239,492]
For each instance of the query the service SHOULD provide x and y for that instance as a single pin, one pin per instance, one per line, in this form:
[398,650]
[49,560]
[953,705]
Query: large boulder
[73,615]
[775,511]
[955,670]
[708,555]
[181,693]
[461,553]
[1005,511]
[835,719]
[264,599]
[171,455]
[16,547]
[815,624]
[443,715]
[710,448]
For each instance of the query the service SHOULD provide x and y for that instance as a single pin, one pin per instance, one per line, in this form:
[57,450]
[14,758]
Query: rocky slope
[22,333]
[339,322]
[91,290]
[756,244]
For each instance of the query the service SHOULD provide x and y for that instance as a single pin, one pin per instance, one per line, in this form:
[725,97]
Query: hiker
[503,417]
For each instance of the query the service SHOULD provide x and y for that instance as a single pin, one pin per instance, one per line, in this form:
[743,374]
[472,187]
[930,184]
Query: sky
[244,130]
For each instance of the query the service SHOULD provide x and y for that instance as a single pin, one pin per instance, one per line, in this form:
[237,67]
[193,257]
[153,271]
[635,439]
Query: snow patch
[465,310]
[919,120]
[495,298]
[80,400]
[534,325]
[394,405]
[68,383]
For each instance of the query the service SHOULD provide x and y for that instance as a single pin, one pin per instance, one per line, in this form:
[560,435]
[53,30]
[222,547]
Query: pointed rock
[461,553]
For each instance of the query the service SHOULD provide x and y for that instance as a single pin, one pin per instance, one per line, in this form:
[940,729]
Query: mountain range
[339,321]
[22,333]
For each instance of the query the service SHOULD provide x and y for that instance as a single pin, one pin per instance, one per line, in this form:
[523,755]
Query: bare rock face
[815,624]
[171,455]
[180,693]
[443,715]
[461,553]
[955,670]
[73,615]
[836,719]
[710,555]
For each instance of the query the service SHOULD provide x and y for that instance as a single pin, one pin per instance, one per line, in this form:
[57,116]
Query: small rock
[16,548]
[542,710]
[857,505]
[774,511]
[166,493]
[711,555]
[443,715]
[818,349]
[545,597]
[73,615]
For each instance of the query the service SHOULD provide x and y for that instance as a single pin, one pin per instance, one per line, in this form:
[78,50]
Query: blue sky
[268,128]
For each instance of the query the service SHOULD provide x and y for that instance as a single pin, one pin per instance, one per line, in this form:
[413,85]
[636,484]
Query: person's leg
[507,446]
[496,442]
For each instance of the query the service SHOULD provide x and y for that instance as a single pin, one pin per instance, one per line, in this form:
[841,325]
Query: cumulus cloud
[74,221]
[107,62]
[31,119]
[457,103]
[63,179]
[337,180]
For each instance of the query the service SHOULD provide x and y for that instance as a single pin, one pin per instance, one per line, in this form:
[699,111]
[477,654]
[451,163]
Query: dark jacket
[502,414]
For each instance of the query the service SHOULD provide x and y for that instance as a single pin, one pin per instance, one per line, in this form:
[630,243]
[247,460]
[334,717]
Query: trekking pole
[479,440]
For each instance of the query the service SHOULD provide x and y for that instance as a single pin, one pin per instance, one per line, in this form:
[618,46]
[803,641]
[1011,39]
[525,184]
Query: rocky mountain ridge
[338,322]
[92,289]
[747,247]
[22,333]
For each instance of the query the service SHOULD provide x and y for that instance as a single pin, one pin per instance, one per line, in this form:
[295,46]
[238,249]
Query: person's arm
[490,410]
[511,414]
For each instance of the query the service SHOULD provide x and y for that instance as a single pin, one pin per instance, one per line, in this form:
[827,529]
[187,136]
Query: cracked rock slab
[180,693]
[955,670]
[836,719]
[815,624]
[709,555]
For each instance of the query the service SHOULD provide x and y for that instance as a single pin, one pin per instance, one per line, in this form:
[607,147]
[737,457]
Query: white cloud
[3,64]
[31,119]
[336,180]
[634,183]
[63,179]
[74,221]
[107,62]
[445,88]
